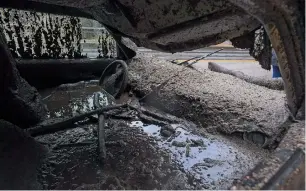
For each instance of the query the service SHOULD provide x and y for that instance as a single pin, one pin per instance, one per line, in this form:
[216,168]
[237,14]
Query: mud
[20,103]
[139,155]
[20,156]
[217,102]
[214,162]
[289,157]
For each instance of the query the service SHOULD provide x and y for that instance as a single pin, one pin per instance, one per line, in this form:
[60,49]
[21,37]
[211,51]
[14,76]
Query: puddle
[210,160]
[73,99]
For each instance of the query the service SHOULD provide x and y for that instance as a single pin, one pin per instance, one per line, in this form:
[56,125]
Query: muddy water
[73,99]
[139,155]
[213,161]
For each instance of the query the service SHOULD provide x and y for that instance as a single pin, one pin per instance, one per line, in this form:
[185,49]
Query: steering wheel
[114,78]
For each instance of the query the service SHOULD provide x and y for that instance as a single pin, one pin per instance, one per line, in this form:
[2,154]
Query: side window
[97,42]
[45,36]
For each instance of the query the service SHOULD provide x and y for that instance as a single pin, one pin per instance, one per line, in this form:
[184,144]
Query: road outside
[229,57]
[249,67]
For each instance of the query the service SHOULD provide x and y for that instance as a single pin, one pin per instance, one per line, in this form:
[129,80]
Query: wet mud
[139,154]
[219,103]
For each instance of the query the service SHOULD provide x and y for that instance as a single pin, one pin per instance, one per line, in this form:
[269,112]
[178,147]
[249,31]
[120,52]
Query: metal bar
[101,128]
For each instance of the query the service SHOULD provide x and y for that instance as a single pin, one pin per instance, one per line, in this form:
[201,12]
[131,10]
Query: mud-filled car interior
[124,119]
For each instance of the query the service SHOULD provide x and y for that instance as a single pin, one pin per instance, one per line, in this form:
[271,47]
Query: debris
[208,160]
[203,164]
[271,84]
[101,129]
[122,117]
[211,162]
[165,133]
[176,134]
[179,144]
[196,59]
[151,120]
[184,62]
[168,127]
[188,150]
[158,116]
[66,123]
[198,142]
[96,99]
[115,143]
[101,138]
[81,144]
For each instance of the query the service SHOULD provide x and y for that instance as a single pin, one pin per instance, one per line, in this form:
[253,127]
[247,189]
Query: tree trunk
[271,84]
[20,103]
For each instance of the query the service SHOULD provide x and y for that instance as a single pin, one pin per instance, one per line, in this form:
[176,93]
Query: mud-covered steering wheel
[114,78]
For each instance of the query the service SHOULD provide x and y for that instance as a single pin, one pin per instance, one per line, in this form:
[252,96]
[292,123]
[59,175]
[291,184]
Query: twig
[151,120]
[158,116]
[160,86]
[66,123]
[72,145]
[101,138]
[112,116]
[134,108]
[185,62]
[96,99]
[93,119]
[201,58]
[116,143]
[101,129]
[152,117]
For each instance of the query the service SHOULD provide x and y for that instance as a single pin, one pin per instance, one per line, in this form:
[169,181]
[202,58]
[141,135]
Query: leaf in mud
[165,133]
[187,150]
[179,144]
[198,142]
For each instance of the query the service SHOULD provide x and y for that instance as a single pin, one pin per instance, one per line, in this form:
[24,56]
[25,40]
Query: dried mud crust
[218,101]
[133,161]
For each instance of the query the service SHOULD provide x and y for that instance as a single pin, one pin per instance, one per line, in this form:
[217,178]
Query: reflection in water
[72,99]
[206,158]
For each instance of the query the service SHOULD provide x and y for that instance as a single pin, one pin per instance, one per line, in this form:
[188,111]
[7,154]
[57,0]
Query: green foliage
[40,35]
[107,45]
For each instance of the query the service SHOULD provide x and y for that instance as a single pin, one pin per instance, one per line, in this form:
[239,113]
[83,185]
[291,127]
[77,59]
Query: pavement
[230,58]
[233,59]
[248,67]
